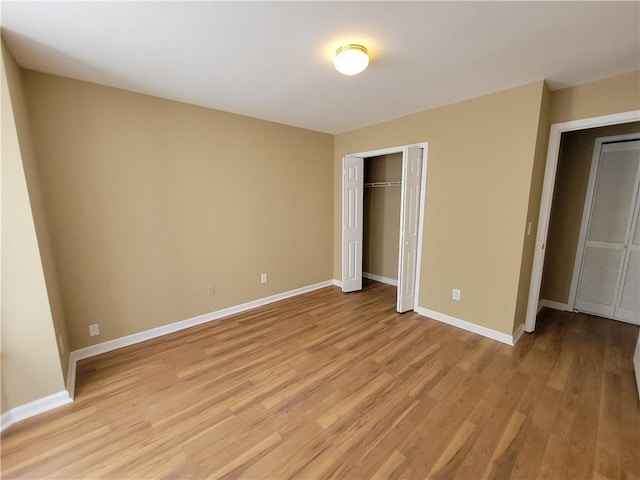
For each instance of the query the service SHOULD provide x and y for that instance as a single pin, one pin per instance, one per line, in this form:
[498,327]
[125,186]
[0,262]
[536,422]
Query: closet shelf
[383,184]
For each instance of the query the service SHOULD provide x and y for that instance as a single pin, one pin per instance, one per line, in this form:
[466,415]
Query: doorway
[382,195]
[409,234]
[551,169]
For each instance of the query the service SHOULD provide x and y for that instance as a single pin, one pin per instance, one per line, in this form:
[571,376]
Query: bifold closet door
[628,305]
[409,221]
[608,282]
[352,219]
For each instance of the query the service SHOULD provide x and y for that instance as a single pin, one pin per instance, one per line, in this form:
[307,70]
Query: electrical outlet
[94,330]
[211,289]
[456,294]
[529,228]
[263,278]
[61,343]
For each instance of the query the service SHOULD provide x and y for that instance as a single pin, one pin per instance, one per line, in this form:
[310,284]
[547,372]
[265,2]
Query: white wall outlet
[61,343]
[263,278]
[94,330]
[211,289]
[529,228]
[456,294]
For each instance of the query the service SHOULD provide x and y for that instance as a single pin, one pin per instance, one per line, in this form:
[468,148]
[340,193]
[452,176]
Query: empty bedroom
[320,240]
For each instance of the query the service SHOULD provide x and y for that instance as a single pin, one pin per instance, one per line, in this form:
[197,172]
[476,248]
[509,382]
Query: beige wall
[572,178]
[611,95]
[31,365]
[150,201]
[4,405]
[382,216]
[481,156]
[40,220]
[533,209]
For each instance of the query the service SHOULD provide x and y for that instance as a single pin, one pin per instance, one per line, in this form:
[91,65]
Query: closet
[382,198]
[407,231]
[608,261]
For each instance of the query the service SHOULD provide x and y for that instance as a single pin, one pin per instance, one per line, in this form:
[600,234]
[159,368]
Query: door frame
[588,205]
[421,211]
[551,165]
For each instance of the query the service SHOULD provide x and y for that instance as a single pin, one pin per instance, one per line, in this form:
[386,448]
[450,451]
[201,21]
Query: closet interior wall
[382,191]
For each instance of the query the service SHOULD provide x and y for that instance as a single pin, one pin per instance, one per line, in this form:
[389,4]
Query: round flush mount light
[351,59]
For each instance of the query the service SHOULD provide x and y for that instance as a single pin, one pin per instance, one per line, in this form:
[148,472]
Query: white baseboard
[337,283]
[378,278]
[34,408]
[517,334]
[554,305]
[121,342]
[6,421]
[472,327]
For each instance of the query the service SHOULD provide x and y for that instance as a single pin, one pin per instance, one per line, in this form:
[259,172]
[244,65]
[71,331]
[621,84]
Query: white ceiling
[274,60]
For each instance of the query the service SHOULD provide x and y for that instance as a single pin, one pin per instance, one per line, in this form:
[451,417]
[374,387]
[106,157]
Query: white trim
[563,307]
[121,342]
[36,407]
[378,278]
[517,334]
[383,151]
[472,327]
[421,222]
[6,421]
[337,283]
[547,197]
[342,200]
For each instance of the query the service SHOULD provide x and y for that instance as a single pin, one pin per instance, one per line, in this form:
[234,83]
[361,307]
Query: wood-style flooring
[333,385]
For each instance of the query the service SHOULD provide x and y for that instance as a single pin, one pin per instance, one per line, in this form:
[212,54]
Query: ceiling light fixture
[351,59]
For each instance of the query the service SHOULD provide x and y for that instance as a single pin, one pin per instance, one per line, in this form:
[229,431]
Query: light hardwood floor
[328,385]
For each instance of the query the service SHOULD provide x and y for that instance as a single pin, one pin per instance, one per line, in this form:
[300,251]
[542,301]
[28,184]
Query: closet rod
[383,184]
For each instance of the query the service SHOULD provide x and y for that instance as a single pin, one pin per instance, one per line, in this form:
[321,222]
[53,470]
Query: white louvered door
[609,279]
[628,306]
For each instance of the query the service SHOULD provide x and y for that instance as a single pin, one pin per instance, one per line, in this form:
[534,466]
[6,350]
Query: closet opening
[587,248]
[383,194]
[382,189]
